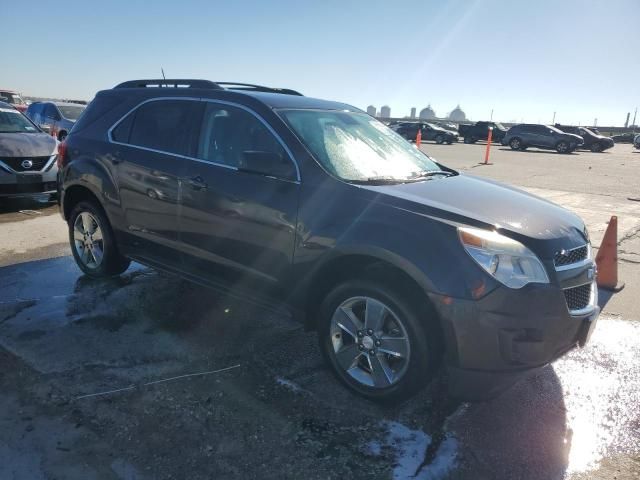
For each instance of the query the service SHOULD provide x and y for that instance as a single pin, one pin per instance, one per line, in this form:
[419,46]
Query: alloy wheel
[370,342]
[88,240]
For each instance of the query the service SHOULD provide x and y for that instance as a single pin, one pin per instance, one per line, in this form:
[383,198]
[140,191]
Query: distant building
[385,111]
[371,110]
[457,115]
[427,113]
[413,112]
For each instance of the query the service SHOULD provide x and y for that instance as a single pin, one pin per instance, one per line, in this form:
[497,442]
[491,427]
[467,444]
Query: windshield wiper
[431,173]
[381,180]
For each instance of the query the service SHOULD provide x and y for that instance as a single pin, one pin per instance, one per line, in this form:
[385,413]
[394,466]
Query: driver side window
[228,135]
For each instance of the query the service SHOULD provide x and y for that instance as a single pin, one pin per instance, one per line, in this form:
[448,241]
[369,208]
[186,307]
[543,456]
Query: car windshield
[356,147]
[557,130]
[71,112]
[12,98]
[500,126]
[12,121]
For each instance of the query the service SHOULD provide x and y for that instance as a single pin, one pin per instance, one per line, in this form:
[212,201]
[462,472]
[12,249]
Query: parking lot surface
[149,376]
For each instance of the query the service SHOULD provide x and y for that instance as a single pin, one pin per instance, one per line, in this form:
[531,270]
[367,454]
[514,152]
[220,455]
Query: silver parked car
[636,141]
[27,156]
[56,117]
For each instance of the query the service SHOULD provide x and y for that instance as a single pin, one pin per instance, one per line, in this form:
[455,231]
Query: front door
[153,142]
[234,222]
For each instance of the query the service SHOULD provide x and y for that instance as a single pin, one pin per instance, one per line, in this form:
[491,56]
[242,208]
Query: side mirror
[270,164]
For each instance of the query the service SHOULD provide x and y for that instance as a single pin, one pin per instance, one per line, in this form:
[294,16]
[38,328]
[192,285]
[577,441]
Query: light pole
[491,116]
[553,122]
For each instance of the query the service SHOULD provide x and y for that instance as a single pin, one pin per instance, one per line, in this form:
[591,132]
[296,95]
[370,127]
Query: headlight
[507,260]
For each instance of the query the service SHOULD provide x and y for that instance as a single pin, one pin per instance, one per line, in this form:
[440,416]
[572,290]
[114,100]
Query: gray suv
[56,117]
[400,263]
[27,156]
[523,136]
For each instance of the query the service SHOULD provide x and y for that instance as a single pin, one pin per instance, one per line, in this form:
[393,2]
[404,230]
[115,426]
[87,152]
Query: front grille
[567,257]
[578,297]
[15,163]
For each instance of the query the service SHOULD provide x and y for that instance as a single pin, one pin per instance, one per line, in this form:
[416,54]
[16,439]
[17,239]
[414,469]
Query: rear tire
[467,140]
[515,144]
[62,136]
[93,243]
[386,357]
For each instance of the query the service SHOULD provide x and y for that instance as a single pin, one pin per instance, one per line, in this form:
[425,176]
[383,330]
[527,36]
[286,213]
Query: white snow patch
[294,387]
[410,447]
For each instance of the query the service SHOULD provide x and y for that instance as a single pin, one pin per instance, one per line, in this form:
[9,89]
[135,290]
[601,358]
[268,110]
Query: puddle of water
[601,386]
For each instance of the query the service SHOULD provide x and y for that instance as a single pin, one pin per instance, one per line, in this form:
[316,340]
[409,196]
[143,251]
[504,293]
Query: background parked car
[14,99]
[636,141]
[409,130]
[480,131]
[59,117]
[27,156]
[592,141]
[452,127]
[624,137]
[523,136]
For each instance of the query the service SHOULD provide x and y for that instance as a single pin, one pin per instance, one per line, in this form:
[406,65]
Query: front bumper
[493,342]
[28,185]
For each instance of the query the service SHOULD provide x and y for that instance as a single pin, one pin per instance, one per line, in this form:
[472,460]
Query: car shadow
[150,325]
[522,433]
[18,204]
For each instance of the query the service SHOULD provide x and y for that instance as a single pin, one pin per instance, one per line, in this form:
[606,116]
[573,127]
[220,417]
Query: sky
[523,59]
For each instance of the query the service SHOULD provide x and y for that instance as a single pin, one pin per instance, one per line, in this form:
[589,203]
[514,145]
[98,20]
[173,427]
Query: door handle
[198,183]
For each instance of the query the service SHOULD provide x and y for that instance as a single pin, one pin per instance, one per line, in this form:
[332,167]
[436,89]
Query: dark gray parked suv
[523,136]
[400,263]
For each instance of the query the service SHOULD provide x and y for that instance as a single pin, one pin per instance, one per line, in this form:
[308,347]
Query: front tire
[377,343]
[439,139]
[562,147]
[596,147]
[93,243]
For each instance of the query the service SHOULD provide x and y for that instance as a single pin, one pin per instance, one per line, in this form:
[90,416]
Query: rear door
[234,222]
[154,141]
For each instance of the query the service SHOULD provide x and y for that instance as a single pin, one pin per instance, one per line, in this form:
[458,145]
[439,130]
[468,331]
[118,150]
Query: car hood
[26,145]
[470,200]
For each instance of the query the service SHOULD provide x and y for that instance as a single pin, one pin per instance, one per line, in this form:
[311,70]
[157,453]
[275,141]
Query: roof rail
[206,84]
[257,88]
[170,83]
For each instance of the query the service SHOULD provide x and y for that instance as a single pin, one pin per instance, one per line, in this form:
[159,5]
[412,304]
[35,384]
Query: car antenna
[163,77]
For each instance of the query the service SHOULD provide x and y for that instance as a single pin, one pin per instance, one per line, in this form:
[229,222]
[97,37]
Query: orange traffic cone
[419,138]
[607,258]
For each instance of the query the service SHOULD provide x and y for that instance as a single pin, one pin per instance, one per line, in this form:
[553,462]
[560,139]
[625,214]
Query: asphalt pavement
[149,376]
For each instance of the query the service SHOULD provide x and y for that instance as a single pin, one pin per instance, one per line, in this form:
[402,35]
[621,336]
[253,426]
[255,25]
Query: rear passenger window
[163,125]
[228,132]
[122,131]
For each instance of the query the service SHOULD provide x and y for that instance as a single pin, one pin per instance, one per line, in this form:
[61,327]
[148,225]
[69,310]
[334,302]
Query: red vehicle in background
[14,99]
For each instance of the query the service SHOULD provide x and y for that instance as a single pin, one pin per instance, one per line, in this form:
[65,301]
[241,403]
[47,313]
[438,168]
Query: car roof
[280,100]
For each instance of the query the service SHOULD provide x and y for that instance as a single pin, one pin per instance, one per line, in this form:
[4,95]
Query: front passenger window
[229,134]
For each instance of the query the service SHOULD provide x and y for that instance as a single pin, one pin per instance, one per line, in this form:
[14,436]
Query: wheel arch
[354,263]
